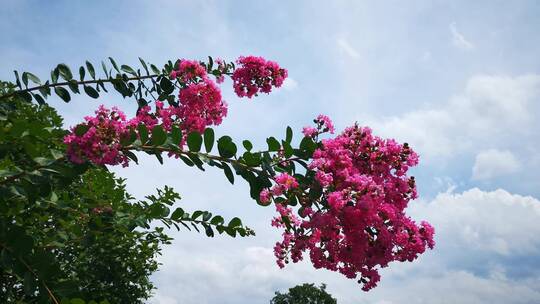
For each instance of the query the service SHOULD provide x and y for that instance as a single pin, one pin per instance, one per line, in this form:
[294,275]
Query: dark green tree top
[304,294]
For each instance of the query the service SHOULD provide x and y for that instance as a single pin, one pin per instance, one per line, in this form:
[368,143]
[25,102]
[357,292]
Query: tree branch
[60,84]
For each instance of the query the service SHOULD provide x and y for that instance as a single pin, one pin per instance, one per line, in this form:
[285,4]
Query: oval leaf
[90,69]
[208,139]
[228,173]
[62,93]
[90,91]
[158,136]
[194,141]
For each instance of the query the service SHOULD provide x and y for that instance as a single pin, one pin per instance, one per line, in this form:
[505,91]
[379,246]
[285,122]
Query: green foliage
[71,233]
[304,294]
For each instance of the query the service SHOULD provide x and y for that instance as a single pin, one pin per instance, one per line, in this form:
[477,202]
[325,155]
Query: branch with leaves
[146,85]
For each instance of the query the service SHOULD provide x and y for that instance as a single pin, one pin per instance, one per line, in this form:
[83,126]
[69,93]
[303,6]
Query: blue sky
[458,80]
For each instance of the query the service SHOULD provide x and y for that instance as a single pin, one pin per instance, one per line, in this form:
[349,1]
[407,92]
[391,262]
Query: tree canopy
[304,294]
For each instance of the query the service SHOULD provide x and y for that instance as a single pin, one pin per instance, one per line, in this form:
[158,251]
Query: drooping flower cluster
[255,75]
[359,224]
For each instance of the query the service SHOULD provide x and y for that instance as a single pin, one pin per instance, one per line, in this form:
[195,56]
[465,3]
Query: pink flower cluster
[222,68]
[201,106]
[256,74]
[284,182]
[100,143]
[188,71]
[324,124]
[359,224]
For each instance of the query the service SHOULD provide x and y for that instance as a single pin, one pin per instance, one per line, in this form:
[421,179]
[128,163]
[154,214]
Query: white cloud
[476,220]
[290,84]
[458,39]
[491,110]
[347,48]
[492,163]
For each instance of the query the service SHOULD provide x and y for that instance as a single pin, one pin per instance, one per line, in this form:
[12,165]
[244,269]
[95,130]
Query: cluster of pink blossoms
[257,74]
[100,143]
[284,182]
[323,123]
[188,71]
[359,224]
[200,106]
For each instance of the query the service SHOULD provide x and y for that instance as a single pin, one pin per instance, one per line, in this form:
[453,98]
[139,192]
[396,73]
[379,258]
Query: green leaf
[226,147]
[208,230]
[143,133]
[228,172]
[129,138]
[247,144]
[273,144]
[82,73]
[81,129]
[196,214]
[194,141]
[166,85]
[29,283]
[131,156]
[235,222]
[77,301]
[177,214]
[45,91]
[155,69]
[39,99]
[289,135]
[19,241]
[62,93]
[217,220]
[120,86]
[144,66]
[73,86]
[208,139]
[25,79]
[25,95]
[186,160]
[65,72]
[196,160]
[128,69]
[210,63]
[158,136]
[287,149]
[176,135]
[159,157]
[90,91]
[252,160]
[32,77]
[56,154]
[104,67]
[115,66]
[55,74]
[91,70]
[17,80]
